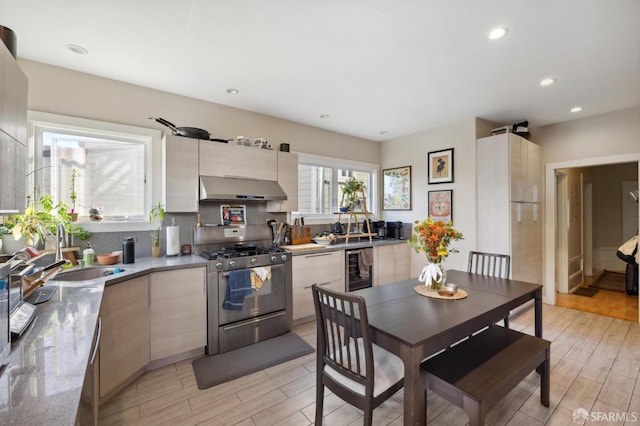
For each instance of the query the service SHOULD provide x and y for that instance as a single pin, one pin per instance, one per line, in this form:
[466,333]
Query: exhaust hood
[227,188]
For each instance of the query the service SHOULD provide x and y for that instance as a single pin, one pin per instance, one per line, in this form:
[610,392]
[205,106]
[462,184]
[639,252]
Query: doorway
[556,212]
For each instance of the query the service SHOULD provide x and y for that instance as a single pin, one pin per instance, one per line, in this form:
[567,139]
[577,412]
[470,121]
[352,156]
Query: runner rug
[215,369]
[609,280]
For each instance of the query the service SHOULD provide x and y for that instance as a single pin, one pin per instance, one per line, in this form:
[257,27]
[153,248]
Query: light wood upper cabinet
[325,269]
[124,345]
[228,160]
[178,311]
[391,263]
[180,174]
[288,180]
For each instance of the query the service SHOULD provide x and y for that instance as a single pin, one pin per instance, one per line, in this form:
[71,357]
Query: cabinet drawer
[303,299]
[318,268]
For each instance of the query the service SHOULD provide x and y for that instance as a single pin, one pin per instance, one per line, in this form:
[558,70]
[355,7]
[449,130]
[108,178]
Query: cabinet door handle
[97,343]
[321,284]
[318,255]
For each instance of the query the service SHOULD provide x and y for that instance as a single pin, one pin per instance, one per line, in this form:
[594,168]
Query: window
[112,163]
[320,179]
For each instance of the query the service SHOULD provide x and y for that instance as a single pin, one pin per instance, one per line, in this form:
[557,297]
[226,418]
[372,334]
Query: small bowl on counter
[323,241]
[107,259]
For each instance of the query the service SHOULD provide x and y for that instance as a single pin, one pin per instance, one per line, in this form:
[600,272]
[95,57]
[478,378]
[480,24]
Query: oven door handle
[253,321]
[280,266]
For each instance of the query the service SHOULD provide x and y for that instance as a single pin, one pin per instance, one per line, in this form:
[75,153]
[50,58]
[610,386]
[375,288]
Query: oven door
[271,297]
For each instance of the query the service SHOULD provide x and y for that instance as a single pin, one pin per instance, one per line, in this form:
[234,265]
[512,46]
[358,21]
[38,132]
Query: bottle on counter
[88,255]
[128,250]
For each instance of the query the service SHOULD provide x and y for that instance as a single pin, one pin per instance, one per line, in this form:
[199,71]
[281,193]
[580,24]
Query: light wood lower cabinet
[178,311]
[325,269]
[124,345]
[391,263]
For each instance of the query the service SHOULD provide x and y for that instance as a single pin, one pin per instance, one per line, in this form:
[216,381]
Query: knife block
[300,235]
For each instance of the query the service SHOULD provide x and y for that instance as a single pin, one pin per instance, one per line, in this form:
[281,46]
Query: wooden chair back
[491,264]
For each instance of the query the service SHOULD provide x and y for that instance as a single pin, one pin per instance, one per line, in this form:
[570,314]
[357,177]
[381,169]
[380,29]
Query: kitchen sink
[86,274]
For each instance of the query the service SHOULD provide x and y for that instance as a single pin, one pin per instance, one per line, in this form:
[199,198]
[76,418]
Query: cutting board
[300,247]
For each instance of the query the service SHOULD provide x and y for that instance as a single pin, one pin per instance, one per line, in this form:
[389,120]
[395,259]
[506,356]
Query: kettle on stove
[337,228]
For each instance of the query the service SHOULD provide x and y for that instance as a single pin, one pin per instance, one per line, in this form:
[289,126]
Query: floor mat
[215,369]
[588,292]
[615,281]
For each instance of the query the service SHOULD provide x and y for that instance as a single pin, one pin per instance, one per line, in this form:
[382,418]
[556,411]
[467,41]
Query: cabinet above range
[186,160]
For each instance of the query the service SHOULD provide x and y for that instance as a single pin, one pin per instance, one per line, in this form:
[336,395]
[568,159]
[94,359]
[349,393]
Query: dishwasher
[359,269]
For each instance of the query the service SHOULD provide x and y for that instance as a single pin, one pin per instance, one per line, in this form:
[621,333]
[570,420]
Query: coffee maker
[379,228]
[394,230]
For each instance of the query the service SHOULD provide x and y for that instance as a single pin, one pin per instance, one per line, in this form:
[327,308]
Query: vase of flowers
[433,239]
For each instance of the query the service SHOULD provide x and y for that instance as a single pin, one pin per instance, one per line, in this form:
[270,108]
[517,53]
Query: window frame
[40,122]
[340,163]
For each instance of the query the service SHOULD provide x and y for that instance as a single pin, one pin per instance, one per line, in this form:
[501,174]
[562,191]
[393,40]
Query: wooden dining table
[414,326]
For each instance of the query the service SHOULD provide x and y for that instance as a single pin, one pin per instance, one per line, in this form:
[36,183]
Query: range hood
[227,188]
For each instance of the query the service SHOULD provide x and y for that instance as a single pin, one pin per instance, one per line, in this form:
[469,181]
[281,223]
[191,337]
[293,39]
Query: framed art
[396,188]
[441,205]
[233,214]
[440,166]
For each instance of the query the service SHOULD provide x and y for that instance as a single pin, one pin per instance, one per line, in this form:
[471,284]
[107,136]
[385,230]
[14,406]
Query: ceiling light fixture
[547,81]
[324,116]
[384,132]
[576,109]
[77,49]
[233,91]
[497,33]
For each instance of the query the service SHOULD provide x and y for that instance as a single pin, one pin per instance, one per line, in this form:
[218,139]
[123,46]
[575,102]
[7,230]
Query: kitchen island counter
[43,380]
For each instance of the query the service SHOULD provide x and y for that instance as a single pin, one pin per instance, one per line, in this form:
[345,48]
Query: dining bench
[478,372]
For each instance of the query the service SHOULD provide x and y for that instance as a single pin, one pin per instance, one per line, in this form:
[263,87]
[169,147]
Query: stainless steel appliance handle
[254,321]
[97,345]
[280,266]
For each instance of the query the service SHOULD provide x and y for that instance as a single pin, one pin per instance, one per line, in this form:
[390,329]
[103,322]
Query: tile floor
[595,364]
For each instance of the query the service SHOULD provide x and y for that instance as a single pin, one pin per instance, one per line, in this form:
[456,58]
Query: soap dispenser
[87,255]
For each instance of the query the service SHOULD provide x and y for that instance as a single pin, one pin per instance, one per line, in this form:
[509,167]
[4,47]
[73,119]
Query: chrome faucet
[60,242]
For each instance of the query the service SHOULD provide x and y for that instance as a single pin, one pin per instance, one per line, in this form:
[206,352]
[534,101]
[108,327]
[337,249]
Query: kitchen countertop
[352,245]
[43,381]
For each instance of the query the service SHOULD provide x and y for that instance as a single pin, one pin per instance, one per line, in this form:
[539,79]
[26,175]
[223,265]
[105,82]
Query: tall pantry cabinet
[509,181]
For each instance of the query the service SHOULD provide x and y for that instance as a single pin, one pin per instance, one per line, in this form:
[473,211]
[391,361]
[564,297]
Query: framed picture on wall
[396,188]
[440,166]
[441,205]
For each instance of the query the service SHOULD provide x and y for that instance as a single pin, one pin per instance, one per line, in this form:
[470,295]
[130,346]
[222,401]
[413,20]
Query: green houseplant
[352,189]
[73,195]
[156,217]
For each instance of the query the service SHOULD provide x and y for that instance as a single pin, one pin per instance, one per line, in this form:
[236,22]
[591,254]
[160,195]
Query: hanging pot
[188,132]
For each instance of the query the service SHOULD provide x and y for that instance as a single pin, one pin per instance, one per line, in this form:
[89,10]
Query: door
[562,236]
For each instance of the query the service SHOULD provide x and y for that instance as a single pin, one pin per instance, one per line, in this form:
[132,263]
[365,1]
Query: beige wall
[62,91]
[412,151]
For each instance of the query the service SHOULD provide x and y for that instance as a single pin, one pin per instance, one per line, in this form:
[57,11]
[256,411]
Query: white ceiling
[399,66]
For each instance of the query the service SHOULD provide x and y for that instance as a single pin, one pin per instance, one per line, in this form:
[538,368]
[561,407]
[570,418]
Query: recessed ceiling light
[497,33]
[547,81]
[77,49]
[384,132]
[233,91]
[324,116]
[576,109]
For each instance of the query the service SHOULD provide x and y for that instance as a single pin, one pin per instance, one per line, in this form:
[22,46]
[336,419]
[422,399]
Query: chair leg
[506,322]
[319,402]
[368,416]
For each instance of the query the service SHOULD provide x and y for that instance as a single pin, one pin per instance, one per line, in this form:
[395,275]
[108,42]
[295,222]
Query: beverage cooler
[359,269]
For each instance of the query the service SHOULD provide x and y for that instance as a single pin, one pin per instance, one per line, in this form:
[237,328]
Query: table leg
[415,401]
[538,313]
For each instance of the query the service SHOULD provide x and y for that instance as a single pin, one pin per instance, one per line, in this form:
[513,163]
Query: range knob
[274,258]
[232,263]
[254,260]
[283,257]
[219,265]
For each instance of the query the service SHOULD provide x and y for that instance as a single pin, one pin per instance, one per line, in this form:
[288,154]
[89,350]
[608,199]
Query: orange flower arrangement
[433,238]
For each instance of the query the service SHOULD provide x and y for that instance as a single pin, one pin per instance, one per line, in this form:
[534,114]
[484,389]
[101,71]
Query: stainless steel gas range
[248,285]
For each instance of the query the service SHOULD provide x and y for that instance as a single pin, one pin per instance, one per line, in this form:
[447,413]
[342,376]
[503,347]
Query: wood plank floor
[595,364]
[605,302]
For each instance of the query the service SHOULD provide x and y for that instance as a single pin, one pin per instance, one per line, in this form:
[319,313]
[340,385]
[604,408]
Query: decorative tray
[424,291]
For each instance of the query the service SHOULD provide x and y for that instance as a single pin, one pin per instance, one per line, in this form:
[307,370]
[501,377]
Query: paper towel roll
[173,240]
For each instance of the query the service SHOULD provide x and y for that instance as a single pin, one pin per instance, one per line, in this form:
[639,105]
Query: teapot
[337,228]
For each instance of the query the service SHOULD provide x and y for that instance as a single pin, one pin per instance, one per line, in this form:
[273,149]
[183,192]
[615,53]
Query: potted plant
[156,216]
[352,190]
[73,195]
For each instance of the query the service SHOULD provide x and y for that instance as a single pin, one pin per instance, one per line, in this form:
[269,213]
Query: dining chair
[490,264]
[356,370]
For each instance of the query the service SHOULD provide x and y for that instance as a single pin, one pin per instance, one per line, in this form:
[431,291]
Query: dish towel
[259,276]
[238,286]
[364,261]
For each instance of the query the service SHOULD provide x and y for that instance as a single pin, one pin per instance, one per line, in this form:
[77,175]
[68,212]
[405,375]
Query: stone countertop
[352,245]
[43,381]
